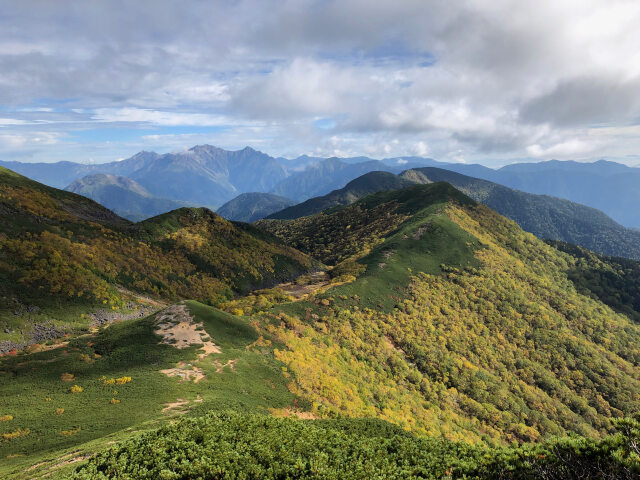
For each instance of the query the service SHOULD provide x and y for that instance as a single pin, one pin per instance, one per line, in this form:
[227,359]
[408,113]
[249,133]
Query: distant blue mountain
[608,186]
[210,176]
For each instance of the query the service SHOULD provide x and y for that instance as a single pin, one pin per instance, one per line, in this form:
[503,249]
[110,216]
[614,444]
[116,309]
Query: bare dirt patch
[79,458]
[177,328]
[174,407]
[420,231]
[185,371]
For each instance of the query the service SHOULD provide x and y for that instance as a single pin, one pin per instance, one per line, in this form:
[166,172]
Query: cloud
[490,80]
[156,117]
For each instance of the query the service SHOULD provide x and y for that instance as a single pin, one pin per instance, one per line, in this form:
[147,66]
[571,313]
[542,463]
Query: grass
[32,388]
[425,242]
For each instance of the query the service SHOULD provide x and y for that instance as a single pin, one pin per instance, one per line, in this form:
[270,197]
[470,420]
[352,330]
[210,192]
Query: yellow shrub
[21,432]
[76,389]
[114,401]
[67,377]
[85,358]
[69,432]
[123,380]
[59,411]
[108,381]
[48,399]
[6,418]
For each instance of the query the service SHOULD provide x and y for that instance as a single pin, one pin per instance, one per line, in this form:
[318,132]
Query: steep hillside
[124,196]
[614,281]
[352,191]
[546,217]
[249,207]
[61,254]
[458,324]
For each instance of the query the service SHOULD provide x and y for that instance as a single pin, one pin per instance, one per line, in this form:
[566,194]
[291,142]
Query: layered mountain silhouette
[354,190]
[545,216]
[210,176]
[124,196]
[249,207]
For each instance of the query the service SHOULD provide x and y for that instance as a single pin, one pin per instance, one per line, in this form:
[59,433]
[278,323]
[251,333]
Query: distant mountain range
[210,176]
[608,186]
[124,196]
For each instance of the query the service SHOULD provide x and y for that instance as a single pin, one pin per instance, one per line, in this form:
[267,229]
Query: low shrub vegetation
[232,445]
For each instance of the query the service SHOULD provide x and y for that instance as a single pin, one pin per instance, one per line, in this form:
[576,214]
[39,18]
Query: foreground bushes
[230,445]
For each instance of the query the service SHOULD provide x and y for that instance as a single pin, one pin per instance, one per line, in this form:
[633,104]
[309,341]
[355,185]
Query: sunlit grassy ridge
[471,330]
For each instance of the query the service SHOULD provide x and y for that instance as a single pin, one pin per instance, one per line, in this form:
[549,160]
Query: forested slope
[59,250]
[461,325]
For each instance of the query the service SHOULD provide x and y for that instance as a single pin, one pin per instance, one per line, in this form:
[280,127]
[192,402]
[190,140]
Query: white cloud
[484,79]
[157,117]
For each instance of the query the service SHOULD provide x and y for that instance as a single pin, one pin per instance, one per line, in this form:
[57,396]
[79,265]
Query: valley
[415,314]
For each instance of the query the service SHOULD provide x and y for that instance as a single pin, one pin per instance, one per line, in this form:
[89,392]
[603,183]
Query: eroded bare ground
[140,306]
[175,407]
[178,328]
[317,280]
[231,364]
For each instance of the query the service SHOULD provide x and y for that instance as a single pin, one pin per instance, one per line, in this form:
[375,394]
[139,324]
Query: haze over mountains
[210,176]
[124,196]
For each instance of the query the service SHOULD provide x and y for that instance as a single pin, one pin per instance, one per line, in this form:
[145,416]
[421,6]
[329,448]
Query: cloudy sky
[472,81]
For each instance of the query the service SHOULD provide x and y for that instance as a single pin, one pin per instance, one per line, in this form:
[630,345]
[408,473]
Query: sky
[490,82]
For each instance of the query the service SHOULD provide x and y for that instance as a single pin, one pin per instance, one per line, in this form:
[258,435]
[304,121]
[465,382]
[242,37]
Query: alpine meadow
[433,274]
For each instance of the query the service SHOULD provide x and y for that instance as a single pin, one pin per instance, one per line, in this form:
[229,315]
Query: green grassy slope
[32,388]
[544,216]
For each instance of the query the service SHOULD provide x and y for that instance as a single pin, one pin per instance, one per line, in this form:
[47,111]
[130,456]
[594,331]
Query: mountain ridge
[124,196]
